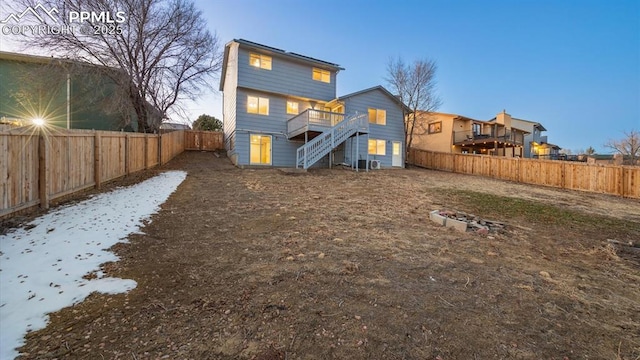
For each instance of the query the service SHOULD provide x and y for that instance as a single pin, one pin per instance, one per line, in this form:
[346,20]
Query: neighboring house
[280,109]
[65,93]
[453,133]
[610,159]
[535,144]
[174,126]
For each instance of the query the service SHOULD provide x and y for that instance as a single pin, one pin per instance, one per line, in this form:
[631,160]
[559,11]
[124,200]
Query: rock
[482,231]
[291,218]
[321,255]
[290,258]
[357,317]
[545,274]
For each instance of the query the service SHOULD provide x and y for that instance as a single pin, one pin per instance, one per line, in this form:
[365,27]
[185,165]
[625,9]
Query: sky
[573,66]
[63,246]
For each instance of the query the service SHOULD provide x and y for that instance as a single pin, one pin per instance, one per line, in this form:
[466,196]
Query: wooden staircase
[314,150]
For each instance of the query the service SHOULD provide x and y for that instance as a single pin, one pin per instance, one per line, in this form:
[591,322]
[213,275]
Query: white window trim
[322,72]
[297,107]
[270,150]
[261,59]
[259,100]
[378,142]
[377,112]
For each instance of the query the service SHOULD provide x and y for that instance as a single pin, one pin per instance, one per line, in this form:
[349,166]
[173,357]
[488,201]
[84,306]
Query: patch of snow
[42,265]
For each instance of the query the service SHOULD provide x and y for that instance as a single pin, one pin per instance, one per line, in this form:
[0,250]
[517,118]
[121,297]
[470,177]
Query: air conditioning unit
[374,164]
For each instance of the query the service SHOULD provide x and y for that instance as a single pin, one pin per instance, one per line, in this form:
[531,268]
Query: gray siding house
[280,109]
[535,144]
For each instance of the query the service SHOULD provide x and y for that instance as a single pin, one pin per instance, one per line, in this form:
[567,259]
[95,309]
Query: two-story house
[280,109]
[453,133]
[536,144]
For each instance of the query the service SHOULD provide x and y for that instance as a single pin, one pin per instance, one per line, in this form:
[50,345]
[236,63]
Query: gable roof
[273,51]
[379,88]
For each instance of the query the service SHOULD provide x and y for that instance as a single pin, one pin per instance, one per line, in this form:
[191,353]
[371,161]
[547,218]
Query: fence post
[563,175]
[43,171]
[97,163]
[127,154]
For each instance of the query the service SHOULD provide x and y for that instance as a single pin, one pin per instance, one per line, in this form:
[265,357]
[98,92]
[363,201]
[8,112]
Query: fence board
[608,179]
[172,145]
[152,151]
[19,172]
[112,158]
[136,152]
[71,164]
[630,181]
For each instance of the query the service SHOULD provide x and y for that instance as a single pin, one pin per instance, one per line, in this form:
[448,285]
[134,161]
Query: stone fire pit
[464,222]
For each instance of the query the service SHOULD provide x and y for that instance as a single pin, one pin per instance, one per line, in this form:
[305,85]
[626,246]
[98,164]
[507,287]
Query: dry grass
[259,264]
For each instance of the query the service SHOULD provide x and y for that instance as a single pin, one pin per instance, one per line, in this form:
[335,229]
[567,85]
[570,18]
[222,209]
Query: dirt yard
[333,264]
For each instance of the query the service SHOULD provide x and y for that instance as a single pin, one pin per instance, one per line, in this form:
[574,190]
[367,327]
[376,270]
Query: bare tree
[158,51]
[629,146]
[415,86]
[590,150]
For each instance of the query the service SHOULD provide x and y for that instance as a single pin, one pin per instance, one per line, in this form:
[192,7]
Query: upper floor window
[260,61]
[292,107]
[378,116]
[258,105]
[435,127]
[377,147]
[321,75]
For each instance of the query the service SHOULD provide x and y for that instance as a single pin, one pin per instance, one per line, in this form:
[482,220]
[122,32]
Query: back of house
[280,109]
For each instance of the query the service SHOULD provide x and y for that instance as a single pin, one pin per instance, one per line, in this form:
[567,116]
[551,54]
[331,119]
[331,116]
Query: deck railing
[311,117]
[502,135]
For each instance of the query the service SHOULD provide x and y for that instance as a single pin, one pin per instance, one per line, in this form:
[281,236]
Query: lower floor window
[377,147]
[260,150]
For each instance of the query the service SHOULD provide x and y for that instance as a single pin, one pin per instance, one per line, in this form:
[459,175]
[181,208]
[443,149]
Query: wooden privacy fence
[203,140]
[608,179]
[35,169]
